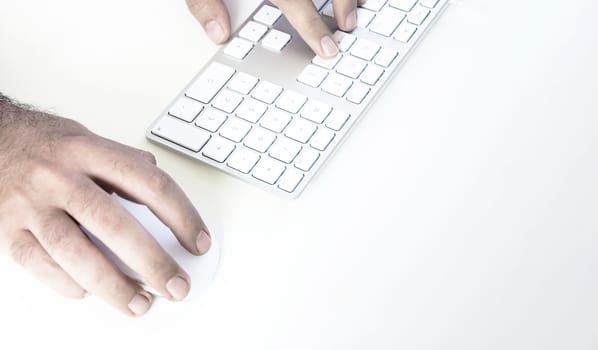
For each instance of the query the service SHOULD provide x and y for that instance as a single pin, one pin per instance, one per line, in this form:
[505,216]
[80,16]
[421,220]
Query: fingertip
[178,287]
[214,18]
[203,242]
[216,31]
[328,47]
[350,21]
[140,303]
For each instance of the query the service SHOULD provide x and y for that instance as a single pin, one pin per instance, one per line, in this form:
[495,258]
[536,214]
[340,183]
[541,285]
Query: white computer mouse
[201,269]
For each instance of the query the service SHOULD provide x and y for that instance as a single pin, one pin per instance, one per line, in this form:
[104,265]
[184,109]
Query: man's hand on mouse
[302,14]
[56,175]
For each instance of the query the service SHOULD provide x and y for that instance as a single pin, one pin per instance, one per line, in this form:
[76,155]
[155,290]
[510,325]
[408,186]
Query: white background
[461,214]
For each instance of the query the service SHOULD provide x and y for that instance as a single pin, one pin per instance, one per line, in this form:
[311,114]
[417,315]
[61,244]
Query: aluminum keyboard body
[265,110]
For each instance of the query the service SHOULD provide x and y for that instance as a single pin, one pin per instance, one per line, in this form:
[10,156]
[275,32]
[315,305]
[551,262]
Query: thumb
[213,16]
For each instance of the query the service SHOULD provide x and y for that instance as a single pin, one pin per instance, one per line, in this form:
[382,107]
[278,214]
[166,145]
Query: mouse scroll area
[201,269]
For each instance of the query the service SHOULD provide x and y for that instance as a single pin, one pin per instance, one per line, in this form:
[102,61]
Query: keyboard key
[238,48]
[268,170]
[266,92]
[185,109]
[243,160]
[218,149]
[357,93]
[403,5]
[429,3]
[319,3]
[315,111]
[312,75]
[306,159]
[371,74]
[290,180]
[336,85]
[181,133]
[260,139]
[351,66]
[374,5]
[275,120]
[328,10]
[337,119]
[343,40]
[227,101]
[387,21]
[364,17]
[267,15]
[285,150]
[276,40]
[242,83]
[405,32]
[211,119]
[327,63]
[418,15]
[235,129]
[209,82]
[271,130]
[253,31]
[251,110]
[322,139]
[385,57]
[365,49]
[290,101]
[300,130]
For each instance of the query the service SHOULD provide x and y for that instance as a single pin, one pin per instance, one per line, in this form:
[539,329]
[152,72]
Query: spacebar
[181,133]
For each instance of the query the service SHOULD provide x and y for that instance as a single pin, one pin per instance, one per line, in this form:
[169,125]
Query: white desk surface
[461,214]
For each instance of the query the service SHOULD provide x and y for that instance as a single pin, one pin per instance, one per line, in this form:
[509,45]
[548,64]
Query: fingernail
[215,32]
[351,20]
[139,304]
[178,287]
[329,48]
[203,242]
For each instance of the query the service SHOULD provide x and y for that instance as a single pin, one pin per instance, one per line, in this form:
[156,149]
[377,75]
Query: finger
[144,183]
[102,215]
[134,152]
[345,14]
[82,260]
[27,252]
[304,17]
[213,16]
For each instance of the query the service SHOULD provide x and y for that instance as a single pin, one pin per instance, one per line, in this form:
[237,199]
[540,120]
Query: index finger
[305,18]
[134,178]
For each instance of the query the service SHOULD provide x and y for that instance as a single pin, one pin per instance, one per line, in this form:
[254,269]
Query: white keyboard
[264,109]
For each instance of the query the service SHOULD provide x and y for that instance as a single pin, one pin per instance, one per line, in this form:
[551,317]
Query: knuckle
[74,143]
[111,284]
[41,171]
[22,251]
[82,197]
[199,7]
[161,268]
[160,183]
[116,224]
[100,279]
[55,234]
